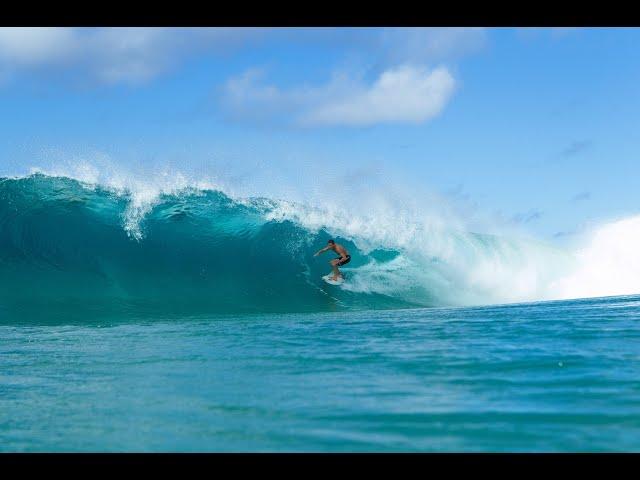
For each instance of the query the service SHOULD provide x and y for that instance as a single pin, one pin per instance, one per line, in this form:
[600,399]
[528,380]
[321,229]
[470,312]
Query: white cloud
[405,90]
[246,98]
[404,94]
[29,46]
[429,44]
[110,55]
[135,55]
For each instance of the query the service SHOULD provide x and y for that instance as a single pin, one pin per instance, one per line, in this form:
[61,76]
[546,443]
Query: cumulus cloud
[403,94]
[401,84]
[407,79]
[110,55]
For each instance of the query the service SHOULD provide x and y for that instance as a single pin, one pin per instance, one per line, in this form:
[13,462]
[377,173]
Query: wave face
[71,248]
[66,246]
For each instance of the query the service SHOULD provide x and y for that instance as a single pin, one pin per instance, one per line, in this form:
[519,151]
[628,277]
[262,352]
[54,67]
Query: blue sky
[532,127]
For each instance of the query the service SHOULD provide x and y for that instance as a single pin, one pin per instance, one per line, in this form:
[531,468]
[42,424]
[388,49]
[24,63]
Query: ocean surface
[192,321]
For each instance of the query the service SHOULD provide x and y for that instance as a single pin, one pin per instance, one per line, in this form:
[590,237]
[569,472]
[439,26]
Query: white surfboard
[327,278]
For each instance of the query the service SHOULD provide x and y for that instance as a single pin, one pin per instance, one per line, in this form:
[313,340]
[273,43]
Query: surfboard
[327,278]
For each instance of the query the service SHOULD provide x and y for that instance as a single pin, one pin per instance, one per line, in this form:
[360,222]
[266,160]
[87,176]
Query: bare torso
[340,250]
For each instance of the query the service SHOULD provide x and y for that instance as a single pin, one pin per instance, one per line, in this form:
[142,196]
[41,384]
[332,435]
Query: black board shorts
[344,261]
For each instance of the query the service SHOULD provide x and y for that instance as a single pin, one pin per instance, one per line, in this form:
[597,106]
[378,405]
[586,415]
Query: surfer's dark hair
[331,241]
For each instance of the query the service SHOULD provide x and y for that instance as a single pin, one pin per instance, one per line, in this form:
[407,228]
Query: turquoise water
[554,376]
[71,251]
[190,321]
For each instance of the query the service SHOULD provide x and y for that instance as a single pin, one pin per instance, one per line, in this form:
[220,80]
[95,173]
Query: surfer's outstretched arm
[322,250]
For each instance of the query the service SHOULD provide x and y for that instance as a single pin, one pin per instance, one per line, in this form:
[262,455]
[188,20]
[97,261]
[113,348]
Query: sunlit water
[557,376]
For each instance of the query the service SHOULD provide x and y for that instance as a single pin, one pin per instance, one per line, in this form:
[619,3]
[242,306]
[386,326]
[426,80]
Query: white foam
[608,262]
[439,260]
[143,191]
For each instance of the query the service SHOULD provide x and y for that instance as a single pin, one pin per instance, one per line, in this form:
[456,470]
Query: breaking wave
[69,247]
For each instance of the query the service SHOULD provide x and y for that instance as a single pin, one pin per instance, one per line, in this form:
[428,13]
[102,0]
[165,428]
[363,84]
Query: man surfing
[343,259]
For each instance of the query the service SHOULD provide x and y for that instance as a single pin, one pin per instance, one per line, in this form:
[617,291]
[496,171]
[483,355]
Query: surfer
[343,259]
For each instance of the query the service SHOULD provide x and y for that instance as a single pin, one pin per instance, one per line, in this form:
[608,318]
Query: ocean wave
[86,245]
